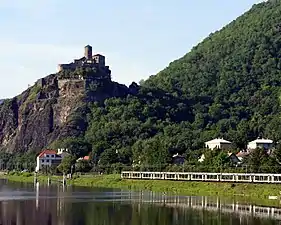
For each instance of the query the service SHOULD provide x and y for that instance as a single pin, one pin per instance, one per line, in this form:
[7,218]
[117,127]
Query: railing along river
[201,176]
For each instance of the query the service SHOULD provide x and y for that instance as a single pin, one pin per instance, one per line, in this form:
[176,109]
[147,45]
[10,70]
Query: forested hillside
[233,78]
[227,86]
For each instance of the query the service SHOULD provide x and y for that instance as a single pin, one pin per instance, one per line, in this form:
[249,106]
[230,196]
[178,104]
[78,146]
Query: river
[28,204]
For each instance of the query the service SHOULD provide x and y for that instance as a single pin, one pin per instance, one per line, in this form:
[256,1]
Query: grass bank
[25,177]
[254,193]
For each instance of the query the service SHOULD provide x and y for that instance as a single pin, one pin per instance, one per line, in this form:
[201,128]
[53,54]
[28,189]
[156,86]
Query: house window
[48,156]
[42,160]
[53,156]
[47,160]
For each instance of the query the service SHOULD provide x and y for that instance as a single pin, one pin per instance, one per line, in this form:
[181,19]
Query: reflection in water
[23,204]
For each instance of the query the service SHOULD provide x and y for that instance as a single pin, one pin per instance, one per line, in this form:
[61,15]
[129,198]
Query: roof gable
[218,140]
[98,55]
[86,157]
[47,151]
[261,141]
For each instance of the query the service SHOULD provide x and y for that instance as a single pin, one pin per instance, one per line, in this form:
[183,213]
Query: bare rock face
[51,109]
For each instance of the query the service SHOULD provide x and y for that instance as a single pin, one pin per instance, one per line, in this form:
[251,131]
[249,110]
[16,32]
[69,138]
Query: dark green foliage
[227,86]
[233,78]
[83,166]
[76,146]
[17,161]
[121,125]
[78,73]
[67,164]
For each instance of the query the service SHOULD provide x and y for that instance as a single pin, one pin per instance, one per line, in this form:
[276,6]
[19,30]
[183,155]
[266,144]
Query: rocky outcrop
[52,109]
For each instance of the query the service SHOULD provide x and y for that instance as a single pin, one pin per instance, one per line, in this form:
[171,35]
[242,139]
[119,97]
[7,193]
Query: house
[219,143]
[85,158]
[63,152]
[242,155]
[50,158]
[234,158]
[178,159]
[266,144]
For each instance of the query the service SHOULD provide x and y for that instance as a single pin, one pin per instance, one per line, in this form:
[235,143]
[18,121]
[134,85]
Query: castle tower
[88,52]
[100,59]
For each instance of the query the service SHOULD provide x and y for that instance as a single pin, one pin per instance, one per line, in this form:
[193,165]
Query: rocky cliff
[51,109]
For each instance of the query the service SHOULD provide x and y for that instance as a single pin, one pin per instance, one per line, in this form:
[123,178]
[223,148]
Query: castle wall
[88,60]
[100,60]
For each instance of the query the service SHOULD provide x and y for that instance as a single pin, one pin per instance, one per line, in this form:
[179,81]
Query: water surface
[28,204]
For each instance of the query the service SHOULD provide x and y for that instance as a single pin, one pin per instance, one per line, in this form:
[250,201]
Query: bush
[13,173]
[26,174]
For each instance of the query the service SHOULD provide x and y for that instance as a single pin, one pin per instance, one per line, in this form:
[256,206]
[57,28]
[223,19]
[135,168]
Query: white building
[219,143]
[49,158]
[202,158]
[260,143]
[63,152]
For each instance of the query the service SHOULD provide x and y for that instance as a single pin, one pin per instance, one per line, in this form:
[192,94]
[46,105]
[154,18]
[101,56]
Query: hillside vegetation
[232,79]
[227,86]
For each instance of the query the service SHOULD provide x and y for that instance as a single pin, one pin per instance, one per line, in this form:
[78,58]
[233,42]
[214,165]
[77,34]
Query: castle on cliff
[88,61]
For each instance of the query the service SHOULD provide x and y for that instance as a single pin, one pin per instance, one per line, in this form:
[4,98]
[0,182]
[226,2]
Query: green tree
[67,164]
[76,146]
[83,166]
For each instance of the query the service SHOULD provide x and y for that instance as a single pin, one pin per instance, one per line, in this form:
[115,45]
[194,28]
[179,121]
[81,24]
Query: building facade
[48,158]
[88,61]
[219,143]
[266,144]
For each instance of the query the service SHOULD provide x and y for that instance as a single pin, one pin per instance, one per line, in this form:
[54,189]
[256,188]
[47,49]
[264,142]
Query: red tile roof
[242,154]
[47,151]
[86,157]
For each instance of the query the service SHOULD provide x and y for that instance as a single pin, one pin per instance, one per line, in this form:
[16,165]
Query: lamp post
[71,170]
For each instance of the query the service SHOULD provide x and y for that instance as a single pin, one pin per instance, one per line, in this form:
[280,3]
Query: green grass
[32,95]
[26,177]
[254,193]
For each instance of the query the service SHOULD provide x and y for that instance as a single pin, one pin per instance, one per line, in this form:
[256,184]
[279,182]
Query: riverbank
[256,193]
[26,177]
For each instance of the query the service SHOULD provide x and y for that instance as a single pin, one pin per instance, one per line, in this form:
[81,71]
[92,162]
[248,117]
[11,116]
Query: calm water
[25,204]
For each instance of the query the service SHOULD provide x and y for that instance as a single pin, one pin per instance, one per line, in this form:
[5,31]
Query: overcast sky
[138,38]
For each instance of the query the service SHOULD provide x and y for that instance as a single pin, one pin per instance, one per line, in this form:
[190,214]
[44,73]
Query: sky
[139,38]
